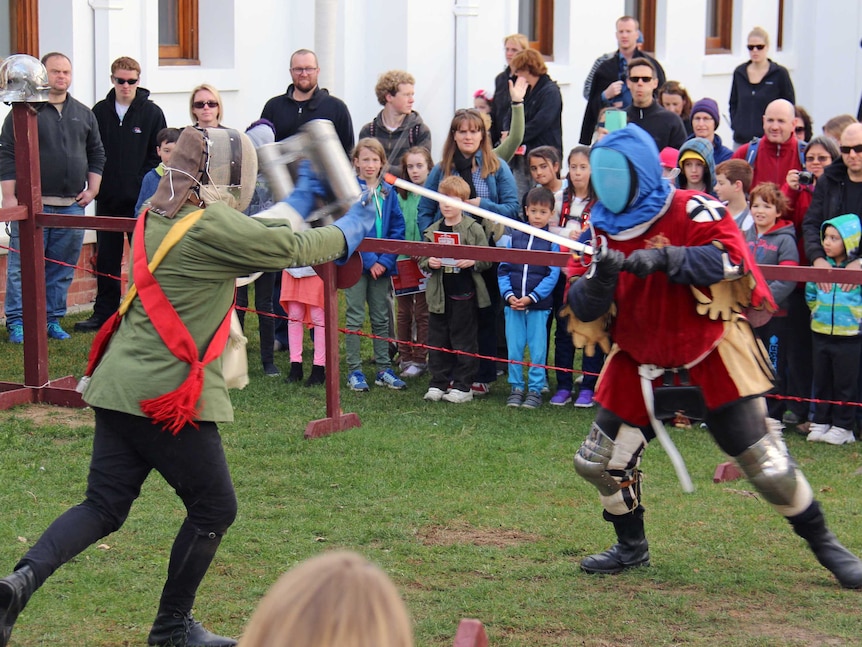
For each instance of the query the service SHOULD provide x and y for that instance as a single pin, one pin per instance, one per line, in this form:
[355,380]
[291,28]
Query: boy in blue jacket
[527,291]
[835,317]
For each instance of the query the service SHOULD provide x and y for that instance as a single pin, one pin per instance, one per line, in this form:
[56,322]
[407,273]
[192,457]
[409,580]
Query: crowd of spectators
[508,143]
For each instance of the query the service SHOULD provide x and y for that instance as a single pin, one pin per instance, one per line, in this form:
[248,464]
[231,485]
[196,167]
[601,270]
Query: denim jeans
[62,245]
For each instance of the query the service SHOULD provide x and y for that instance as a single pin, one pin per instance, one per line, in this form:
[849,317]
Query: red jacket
[772,162]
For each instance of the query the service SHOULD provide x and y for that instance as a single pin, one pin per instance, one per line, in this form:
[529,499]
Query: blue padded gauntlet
[356,224]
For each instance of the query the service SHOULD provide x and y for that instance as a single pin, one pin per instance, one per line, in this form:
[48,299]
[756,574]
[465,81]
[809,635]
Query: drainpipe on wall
[325,41]
[464,10]
[101,43]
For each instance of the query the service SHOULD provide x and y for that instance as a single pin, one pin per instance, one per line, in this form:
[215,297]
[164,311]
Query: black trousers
[455,330]
[799,368]
[126,449]
[263,304]
[109,263]
[836,377]
[774,335]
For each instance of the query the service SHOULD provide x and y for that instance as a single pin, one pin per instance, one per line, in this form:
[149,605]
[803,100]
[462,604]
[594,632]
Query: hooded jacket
[775,247]
[390,225]
[396,142]
[827,202]
[720,152]
[287,114]
[834,311]
[130,150]
[704,150]
[748,100]
[666,127]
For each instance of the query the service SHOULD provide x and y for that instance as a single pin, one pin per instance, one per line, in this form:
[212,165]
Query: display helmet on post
[23,78]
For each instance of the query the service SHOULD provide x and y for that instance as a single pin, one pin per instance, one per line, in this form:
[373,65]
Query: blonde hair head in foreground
[338,599]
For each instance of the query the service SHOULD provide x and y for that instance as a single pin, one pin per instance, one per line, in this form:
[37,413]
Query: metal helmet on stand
[23,78]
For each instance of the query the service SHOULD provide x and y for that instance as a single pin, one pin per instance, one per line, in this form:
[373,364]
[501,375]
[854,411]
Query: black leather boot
[630,551]
[318,375]
[15,591]
[295,374]
[844,565]
[174,629]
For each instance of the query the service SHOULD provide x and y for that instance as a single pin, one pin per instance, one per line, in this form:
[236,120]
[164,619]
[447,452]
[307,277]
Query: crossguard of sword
[599,246]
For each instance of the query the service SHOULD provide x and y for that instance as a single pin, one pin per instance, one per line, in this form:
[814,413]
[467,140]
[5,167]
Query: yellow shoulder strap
[175,233]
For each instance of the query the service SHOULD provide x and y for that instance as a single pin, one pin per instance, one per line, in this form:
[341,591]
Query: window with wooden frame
[719,18]
[536,22]
[21,33]
[644,12]
[178,32]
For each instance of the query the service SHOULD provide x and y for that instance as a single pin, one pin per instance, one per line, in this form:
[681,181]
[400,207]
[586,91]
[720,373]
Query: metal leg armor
[609,459]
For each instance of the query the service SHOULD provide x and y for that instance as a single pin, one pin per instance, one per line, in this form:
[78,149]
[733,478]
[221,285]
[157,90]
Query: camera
[806,177]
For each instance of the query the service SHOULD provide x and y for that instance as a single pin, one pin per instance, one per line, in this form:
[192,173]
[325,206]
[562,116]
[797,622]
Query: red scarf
[176,409]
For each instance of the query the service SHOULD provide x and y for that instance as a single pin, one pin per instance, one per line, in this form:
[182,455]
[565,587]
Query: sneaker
[816,431]
[55,331]
[16,333]
[388,378]
[457,396]
[480,388]
[790,418]
[515,399]
[434,394]
[356,381]
[532,401]
[271,370]
[561,398]
[414,370]
[838,436]
[585,399]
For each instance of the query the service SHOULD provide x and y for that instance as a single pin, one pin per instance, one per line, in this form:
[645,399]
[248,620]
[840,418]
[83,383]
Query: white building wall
[452,47]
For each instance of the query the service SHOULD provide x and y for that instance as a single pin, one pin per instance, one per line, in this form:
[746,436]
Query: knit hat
[261,132]
[710,107]
[668,157]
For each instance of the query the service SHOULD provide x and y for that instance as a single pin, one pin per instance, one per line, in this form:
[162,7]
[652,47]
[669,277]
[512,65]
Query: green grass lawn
[473,509]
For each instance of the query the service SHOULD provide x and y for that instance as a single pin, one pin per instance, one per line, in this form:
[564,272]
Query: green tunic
[198,277]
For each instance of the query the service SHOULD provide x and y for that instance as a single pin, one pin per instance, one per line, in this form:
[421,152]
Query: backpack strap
[751,154]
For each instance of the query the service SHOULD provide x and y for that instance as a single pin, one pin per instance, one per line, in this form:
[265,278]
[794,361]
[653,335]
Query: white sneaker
[838,436]
[816,431]
[434,394]
[457,396]
[414,370]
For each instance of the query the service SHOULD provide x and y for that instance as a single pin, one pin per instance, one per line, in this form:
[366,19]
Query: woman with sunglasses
[755,84]
[205,107]
[467,153]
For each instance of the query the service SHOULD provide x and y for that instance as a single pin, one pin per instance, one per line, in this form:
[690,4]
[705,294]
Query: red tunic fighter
[671,288]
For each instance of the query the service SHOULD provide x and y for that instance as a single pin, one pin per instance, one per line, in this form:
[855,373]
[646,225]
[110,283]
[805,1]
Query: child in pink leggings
[302,300]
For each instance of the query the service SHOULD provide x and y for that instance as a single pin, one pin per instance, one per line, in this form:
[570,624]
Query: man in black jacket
[607,83]
[72,161]
[665,127]
[305,100]
[129,123]
[838,191]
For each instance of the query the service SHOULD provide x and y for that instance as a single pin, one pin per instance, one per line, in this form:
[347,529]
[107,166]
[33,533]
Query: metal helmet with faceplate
[23,78]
